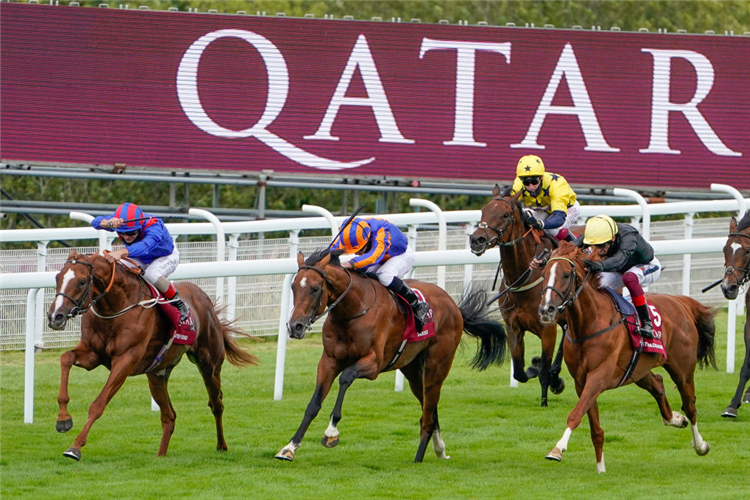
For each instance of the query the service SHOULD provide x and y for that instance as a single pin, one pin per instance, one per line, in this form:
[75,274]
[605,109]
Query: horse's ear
[325,260]
[496,191]
[517,196]
[733,225]
[72,253]
[300,259]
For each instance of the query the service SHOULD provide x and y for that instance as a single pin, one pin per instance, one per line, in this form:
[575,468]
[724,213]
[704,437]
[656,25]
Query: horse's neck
[352,302]
[591,311]
[515,258]
[125,290]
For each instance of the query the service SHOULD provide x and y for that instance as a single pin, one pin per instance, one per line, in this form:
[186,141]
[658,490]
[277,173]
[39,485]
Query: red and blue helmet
[129,212]
[355,236]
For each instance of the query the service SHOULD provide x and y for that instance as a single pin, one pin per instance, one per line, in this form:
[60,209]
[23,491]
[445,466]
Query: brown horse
[363,336]
[502,225]
[598,350]
[737,263]
[122,330]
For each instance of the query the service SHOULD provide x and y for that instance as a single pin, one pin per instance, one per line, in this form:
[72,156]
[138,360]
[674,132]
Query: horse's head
[311,291]
[563,273]
[499,217]
[736,257]
[75,283]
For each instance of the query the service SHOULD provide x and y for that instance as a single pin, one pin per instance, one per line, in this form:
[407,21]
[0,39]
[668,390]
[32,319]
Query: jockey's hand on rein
[594,265]
[532,221]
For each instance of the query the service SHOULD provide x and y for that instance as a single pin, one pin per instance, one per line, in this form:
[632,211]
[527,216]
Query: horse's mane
[576,254]
[321,253]
[744,223]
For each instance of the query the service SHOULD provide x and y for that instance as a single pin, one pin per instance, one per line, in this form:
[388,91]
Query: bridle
[490,242]
[336,302]
[744,270]
[571,294]
[79,306]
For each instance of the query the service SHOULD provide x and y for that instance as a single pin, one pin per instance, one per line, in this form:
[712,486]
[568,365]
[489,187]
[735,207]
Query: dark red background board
[95,86]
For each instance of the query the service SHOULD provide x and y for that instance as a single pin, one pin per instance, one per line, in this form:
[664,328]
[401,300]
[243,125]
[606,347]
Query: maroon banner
[346,98]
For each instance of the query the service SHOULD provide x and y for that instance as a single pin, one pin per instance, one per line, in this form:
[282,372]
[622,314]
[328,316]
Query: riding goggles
[527,181]
[129,233]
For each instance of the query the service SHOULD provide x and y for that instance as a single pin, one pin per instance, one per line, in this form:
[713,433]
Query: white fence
[259,298]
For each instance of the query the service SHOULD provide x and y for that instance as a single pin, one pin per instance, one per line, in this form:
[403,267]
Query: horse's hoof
[558,389]
[746,399]
[703,451]
[555,454]
[544,402]
[329,441]
[73,453]
[536,362]
[729,412]
[285,454]
[64,425]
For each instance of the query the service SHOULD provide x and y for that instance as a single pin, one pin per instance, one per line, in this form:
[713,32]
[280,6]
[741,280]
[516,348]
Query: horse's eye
[315,289]
[507,214]
[566,275]
[82,282]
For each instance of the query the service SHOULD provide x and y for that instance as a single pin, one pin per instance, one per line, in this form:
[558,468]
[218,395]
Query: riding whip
[712,285]
[345,224]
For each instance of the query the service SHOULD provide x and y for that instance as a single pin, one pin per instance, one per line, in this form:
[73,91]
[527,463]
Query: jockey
[380,247]
[548,197]
[627,259]
[150,245]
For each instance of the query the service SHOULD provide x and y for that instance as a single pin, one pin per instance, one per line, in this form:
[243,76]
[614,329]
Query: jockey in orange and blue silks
[150,245]
[548,197]
[380,247]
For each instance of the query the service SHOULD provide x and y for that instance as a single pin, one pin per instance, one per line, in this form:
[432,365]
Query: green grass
[496,436]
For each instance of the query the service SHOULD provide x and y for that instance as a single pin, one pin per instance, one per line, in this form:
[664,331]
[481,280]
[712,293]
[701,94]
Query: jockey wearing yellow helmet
[627,259]
[550,199]
[382,248]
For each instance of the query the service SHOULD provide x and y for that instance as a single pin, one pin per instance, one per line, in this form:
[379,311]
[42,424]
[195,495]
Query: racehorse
[122,330]
[363,336]
[502,225]
[737,263]
[598,349]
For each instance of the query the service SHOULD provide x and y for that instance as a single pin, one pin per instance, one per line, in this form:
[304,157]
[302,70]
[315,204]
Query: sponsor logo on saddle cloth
[183,334]
[410,331]
[655,345]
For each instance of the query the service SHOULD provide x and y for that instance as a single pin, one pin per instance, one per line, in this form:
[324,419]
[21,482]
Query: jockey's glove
[594,266]
[532,221]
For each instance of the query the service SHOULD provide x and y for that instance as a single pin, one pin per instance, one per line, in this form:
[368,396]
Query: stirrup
[420,312]
[646,333]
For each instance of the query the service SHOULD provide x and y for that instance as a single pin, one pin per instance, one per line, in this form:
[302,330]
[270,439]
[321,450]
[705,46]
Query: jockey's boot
[420,308]
[646,330]
[182,307]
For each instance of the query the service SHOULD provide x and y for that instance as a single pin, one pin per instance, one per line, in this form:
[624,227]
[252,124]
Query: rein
[568,300]
[336,302]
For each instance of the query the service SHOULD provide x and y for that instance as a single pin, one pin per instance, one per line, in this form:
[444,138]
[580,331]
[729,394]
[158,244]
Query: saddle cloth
[181,334]
[410,331]
[627,309]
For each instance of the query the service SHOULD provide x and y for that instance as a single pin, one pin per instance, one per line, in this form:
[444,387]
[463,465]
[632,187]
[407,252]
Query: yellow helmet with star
[600,229]
[530,166]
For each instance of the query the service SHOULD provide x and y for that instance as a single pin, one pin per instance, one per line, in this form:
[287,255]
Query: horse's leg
[437,364]
[738,399]
[211,374]
[515,340]
[413,373]
[81,356]
[366,367]
[122,367]
[556,383]
[587,395]
[597,437]
[686,386]
[654,384]
[328,368]
[547,336]
[157,383]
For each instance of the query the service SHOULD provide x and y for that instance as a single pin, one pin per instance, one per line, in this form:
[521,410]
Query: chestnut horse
[737,263]
[502,226]
[598,349]
[363,336]
[122,330]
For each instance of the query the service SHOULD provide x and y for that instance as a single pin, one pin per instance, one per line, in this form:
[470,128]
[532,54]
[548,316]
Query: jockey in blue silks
[380,247]
[150,245]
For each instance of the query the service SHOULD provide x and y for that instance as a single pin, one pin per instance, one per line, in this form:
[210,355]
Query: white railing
[36,281]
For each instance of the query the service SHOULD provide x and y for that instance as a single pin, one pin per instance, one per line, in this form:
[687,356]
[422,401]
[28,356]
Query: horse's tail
[704,323]
[235,354]
[490,333]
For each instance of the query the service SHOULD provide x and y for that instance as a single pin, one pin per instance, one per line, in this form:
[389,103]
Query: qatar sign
[394,100]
